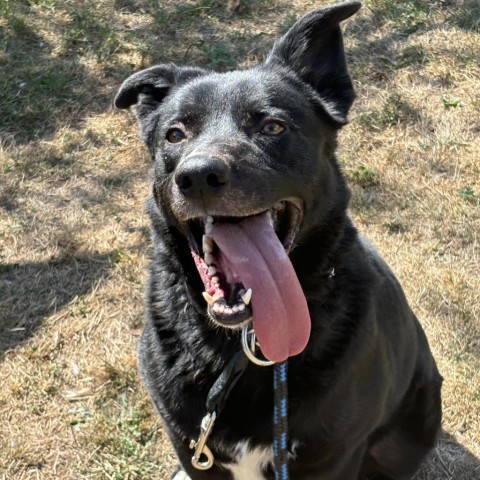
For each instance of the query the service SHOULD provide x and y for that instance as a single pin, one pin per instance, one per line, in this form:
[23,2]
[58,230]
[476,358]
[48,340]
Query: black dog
[249,222]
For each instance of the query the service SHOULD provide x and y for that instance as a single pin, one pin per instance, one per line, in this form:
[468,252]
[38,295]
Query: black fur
[365,393]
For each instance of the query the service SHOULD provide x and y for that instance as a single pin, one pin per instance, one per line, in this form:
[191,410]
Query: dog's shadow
[31,291]
[450,460]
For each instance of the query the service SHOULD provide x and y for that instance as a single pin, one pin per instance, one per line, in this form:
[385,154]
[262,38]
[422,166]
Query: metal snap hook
[200,446]
[250,345]
[205,465]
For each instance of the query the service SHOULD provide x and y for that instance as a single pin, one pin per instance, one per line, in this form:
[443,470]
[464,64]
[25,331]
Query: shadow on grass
[47,85]
[449,461]
[465,14]
[29,292]
[42,88]
[376,59]
[40,91]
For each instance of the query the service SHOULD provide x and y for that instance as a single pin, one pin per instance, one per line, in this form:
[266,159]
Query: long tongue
[280,313]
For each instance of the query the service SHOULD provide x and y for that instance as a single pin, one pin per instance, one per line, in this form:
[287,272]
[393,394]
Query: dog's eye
[273,128]
[175,135]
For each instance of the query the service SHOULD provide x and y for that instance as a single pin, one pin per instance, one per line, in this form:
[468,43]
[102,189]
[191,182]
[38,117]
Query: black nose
[201,176]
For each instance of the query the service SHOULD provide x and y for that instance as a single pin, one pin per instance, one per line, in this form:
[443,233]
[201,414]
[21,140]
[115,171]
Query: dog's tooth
[208,224]
[215,279]
[211,299]
[208,298]
[235,309]
[221,308]
[228,311]
[208,257]
[207,244]
[241,307]
[270,218]
[212,271]
[247,296]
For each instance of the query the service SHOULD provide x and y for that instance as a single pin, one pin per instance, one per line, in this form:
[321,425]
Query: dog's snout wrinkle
[202,176]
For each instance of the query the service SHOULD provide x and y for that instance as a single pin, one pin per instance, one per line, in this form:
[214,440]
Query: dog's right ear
[146,90]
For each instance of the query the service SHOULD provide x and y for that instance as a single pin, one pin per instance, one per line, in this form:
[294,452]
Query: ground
[74,238]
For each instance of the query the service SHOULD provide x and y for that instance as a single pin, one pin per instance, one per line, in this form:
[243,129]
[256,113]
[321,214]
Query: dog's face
[242,164]
[236,144]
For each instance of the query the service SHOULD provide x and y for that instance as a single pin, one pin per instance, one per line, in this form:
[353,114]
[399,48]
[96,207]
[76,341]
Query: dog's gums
[228,301]
[228,305]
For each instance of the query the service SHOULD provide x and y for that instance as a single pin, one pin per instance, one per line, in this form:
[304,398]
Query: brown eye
[273,128]
[175,135]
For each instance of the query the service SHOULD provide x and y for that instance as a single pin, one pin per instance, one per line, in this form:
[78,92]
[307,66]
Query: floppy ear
[313,49]
[146,90]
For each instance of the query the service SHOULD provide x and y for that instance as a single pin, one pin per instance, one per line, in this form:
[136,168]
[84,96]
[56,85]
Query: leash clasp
[200,445]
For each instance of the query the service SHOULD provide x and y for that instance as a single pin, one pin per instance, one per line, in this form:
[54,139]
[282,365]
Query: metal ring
[249,349]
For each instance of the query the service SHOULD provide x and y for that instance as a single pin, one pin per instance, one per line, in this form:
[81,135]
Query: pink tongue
[280,314]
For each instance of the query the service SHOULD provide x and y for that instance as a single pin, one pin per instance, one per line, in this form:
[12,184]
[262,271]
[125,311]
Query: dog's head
[242,164]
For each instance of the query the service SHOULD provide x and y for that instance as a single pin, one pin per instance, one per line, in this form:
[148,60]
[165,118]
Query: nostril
[185,182]
[213,180]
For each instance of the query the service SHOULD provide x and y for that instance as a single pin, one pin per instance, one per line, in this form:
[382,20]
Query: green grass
[469,194]
[218,55]
[449,101]
[363,176]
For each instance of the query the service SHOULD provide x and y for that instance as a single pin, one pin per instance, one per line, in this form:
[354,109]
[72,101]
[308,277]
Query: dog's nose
[201,176]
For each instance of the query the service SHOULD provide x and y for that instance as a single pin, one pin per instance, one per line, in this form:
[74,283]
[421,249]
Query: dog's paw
[181,475]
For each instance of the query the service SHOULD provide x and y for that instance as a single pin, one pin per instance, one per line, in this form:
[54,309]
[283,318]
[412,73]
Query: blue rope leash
[280,421]
[280,404]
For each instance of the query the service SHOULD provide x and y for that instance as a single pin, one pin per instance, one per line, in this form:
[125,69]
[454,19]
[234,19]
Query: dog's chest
[250,463]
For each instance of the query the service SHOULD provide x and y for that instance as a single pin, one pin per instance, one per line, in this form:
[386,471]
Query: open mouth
[222,247]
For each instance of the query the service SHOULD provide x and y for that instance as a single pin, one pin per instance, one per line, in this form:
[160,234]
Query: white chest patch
[250,463]
[181,475]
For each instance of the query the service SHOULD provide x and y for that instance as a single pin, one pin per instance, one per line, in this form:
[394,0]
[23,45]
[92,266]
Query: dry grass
[74,237]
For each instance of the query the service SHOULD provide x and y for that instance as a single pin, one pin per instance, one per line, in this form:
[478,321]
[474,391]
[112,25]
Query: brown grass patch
[74,238]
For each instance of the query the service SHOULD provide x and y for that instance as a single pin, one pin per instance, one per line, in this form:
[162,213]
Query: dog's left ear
[313,49]
[146,90]
[150,86]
